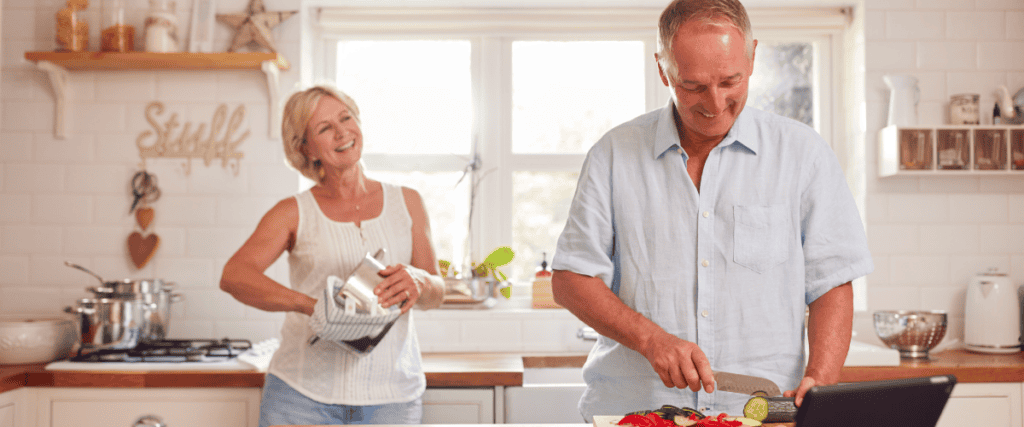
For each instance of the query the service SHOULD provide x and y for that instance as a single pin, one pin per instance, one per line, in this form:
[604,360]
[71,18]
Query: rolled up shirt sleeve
[587,244]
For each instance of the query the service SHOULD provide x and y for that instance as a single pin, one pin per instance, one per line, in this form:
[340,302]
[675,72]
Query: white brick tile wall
[874,25]
[16,147]
[125,86]
[979,209]
[890,55]
[98,179]
[948,298]
[1000,239]
[975,25]
[880,277]
[949,239]
[894,298]
[1014,25]
[187,211]
[947,55]
[913,208]
[97,117]
[51,209]
[963,268]
[31,239]
[944,4]
[894,239]
[28,116]
[243,212]
[950,185]
[93,240]
[1016,209]
[15,208]
[1000,55]
[919,270]
[999,4]
[76,149]
[19,24]
[13,270]
[914,25]
[23,85]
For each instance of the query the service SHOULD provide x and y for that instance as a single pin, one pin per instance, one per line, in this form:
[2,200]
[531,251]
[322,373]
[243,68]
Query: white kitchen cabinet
[8,401]
[984,404]
[458,406]
[121,407]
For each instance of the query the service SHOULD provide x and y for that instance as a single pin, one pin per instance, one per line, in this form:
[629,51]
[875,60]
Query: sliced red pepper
[636,421]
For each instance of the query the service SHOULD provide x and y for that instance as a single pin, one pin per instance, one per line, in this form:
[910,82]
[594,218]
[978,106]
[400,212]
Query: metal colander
[913,333]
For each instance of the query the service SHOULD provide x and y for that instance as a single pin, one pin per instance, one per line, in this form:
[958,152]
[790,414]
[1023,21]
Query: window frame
[492,32]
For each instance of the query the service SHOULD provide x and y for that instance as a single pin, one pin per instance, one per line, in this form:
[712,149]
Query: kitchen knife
[746,384]
[766,404]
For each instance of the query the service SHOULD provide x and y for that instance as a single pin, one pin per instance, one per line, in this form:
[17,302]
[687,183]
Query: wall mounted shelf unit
[951,151]
[58,64]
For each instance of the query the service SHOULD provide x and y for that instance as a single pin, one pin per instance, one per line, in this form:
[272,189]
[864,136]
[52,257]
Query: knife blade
[745,384]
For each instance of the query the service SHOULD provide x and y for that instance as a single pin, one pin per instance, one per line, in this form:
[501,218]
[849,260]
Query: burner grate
[169,351]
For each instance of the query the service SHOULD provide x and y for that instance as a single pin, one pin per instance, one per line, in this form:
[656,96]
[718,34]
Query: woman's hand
[402,285]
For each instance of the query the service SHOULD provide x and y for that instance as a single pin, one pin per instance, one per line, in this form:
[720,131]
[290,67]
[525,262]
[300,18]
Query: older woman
[327,230]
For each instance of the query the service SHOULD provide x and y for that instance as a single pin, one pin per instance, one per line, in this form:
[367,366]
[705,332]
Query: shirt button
[704,313]
[705,409]
[705,263]
[707,214]
[679,150]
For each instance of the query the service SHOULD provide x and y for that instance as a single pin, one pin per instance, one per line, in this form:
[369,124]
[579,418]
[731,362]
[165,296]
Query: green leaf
[503,278]
[500,256]
[507,292]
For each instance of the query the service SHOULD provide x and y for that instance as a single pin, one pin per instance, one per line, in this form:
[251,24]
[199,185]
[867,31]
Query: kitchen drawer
[182,407]
[983,404]
[457,406]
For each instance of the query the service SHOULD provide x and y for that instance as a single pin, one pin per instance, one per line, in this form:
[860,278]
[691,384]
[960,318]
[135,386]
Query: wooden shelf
[84,61]
[58,64]
[936,152]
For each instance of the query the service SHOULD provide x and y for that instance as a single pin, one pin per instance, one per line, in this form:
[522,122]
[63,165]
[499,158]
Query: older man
[701,233]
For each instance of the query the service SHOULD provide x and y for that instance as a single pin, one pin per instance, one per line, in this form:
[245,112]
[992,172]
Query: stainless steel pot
[157,313]
[109,323]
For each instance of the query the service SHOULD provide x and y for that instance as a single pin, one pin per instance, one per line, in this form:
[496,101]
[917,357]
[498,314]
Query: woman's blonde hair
[296,116]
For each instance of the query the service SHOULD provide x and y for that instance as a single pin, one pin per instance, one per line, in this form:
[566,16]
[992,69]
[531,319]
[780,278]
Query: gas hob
[174,355]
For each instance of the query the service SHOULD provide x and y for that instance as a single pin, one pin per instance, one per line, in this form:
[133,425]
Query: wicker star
[254,26]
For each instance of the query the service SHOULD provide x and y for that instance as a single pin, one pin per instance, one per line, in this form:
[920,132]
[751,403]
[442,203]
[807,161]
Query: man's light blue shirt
[730,268]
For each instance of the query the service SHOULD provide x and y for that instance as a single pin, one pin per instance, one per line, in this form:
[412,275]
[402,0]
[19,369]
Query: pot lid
[38,319]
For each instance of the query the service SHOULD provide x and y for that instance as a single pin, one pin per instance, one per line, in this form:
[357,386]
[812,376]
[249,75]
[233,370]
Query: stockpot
[155,297]
[109,323]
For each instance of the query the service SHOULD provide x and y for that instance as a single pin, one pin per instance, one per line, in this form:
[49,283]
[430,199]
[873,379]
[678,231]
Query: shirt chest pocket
[762,236]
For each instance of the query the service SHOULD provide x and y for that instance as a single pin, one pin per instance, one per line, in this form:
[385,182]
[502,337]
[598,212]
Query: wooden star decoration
[254,26]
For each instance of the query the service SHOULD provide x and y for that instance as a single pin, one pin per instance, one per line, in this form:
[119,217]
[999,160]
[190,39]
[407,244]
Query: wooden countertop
[969,367]
[442,370]
[493,369]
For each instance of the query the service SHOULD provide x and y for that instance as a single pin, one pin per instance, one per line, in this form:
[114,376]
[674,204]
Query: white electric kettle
[992,315]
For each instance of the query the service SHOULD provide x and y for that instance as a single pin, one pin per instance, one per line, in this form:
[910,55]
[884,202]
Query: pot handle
[177,297]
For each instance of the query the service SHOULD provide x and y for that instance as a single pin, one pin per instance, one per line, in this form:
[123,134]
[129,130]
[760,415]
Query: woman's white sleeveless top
[390,373]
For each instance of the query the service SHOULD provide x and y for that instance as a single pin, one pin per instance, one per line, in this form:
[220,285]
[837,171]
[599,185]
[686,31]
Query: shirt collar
[667,138]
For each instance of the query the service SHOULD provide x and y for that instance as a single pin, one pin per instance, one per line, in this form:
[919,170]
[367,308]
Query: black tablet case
[910,402]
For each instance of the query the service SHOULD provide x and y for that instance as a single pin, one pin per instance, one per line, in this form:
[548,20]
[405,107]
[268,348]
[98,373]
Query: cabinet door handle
[149,421]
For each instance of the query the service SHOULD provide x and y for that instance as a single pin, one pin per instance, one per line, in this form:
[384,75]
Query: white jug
[992,318]
[903,98]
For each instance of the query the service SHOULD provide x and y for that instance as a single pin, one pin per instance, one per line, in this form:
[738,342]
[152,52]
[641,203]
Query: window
[438,88]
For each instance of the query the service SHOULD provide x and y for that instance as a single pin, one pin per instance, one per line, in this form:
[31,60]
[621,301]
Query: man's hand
[801,390]
[679,363]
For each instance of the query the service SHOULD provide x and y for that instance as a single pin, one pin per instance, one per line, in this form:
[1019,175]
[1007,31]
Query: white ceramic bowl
[26,339]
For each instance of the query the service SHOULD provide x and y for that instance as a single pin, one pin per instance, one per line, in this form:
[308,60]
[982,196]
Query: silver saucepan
[109,323]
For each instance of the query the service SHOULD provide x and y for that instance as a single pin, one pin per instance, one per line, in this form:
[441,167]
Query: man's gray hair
[680,12]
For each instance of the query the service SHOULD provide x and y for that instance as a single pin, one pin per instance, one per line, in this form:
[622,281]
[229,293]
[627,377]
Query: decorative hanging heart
[144,217]
[141,249]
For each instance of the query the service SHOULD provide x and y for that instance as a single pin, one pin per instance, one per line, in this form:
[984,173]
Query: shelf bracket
[59,82]
[273,77]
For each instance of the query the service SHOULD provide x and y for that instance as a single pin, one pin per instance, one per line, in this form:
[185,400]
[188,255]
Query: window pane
[566,95]
[783,80]
[541,205]
[447,207]
[414,97]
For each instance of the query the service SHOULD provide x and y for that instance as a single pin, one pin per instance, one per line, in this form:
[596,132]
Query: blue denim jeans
[283,405]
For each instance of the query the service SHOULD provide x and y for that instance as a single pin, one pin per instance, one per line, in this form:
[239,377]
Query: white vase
[161,27]
[903,98]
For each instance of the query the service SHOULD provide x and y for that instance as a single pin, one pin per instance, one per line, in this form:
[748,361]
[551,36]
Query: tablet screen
[910,402]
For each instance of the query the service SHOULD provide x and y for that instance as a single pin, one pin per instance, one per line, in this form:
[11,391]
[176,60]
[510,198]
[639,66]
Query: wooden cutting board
[613,421]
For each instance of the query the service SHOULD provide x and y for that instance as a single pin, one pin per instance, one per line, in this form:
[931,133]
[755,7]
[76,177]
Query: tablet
[911,402]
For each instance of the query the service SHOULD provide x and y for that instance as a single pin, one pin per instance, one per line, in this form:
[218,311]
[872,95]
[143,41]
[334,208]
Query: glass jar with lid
[116,35]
